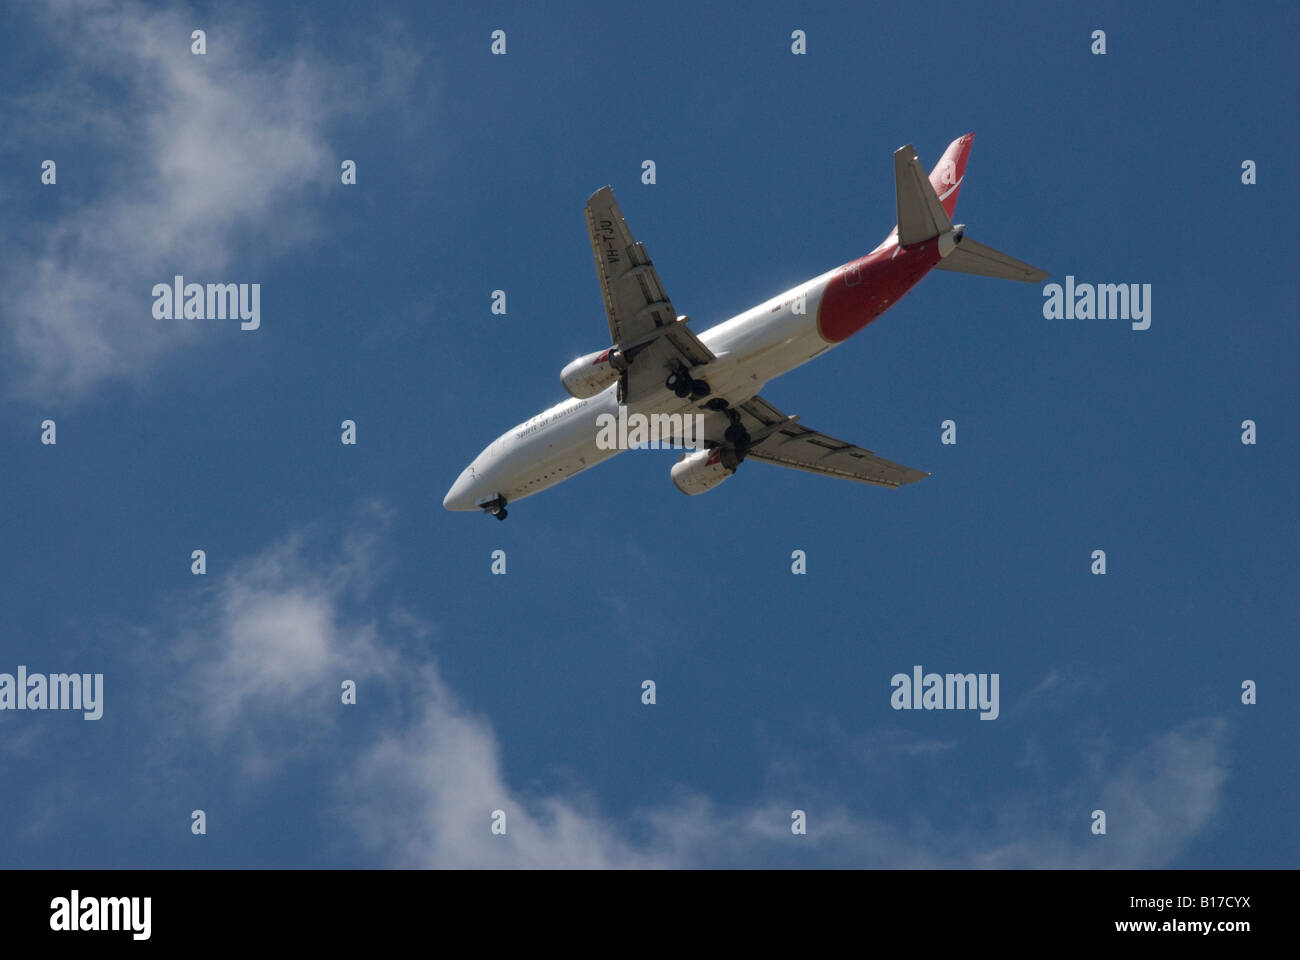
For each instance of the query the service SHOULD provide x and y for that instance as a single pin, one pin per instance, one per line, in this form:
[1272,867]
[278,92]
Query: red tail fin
[948,173]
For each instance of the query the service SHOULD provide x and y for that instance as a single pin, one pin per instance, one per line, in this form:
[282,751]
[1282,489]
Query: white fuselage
[752,348]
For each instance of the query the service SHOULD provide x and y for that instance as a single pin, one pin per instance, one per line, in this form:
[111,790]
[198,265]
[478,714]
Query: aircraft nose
[461,494]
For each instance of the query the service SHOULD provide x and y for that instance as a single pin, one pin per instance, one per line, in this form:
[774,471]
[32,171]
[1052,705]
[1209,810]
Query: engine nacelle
[589,375]
[703,470]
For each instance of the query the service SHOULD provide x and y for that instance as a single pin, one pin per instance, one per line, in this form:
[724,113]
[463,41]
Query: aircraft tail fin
[950,171]
[925,209]
[926,203]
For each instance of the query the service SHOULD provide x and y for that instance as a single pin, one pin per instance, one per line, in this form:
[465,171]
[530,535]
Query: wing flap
[799,448]
[779,439]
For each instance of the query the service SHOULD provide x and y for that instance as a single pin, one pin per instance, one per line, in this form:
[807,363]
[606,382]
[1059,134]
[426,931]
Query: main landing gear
[736,434]
[495,505]
[681,383]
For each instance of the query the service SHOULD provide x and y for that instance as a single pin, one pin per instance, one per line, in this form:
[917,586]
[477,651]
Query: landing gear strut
[736,434]
[495,505]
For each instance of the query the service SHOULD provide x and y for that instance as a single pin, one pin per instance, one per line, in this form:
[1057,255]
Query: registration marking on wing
[606,230]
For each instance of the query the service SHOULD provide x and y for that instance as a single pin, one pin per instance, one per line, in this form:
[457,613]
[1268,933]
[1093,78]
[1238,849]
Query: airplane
[656,364]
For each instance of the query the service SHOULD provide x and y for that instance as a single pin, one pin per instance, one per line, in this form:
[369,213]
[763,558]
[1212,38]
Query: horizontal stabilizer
[921,216]
[971,257]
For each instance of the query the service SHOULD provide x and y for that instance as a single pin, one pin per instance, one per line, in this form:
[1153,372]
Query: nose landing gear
[494,505]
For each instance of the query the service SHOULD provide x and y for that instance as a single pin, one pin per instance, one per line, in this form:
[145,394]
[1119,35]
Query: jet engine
[589,375]
[703,470]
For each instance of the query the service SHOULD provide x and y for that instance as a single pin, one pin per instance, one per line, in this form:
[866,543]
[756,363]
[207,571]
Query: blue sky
[522,692]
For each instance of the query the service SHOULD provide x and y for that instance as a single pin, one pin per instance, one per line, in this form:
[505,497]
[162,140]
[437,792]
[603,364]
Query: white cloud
[1164,796]
[254,669]
[264,655]
[424,795]
[201,157]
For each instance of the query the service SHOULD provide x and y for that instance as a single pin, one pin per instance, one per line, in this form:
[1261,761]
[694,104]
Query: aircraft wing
[779,439]
[643,324]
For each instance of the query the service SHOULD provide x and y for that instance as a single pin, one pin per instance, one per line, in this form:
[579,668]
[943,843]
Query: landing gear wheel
[679,384]
[493,506]
[700,388]
[736,435]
